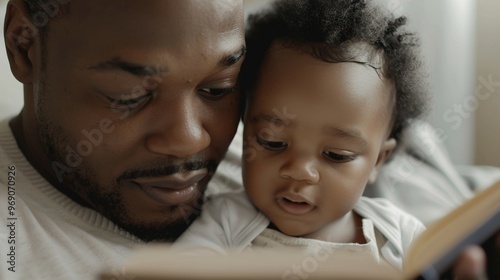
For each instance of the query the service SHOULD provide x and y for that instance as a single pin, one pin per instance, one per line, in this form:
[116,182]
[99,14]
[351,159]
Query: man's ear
[385,151]
[19,35]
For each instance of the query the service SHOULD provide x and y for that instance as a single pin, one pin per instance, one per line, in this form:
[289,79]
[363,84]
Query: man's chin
[161,233]
[163,229]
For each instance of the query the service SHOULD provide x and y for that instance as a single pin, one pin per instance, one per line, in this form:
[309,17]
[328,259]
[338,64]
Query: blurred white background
[461,43]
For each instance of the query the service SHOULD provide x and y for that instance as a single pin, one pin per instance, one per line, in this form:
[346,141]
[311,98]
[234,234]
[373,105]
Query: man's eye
[217,93]
[338,157]
[131,103]
[271,145]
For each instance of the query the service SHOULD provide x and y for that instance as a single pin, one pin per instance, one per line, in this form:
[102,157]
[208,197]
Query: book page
[471,223]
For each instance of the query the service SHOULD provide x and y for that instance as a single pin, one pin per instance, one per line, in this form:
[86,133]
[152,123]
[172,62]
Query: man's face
[316,134]
[134,104]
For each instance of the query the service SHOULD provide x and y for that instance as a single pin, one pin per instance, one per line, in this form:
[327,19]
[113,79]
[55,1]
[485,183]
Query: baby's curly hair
[343,31]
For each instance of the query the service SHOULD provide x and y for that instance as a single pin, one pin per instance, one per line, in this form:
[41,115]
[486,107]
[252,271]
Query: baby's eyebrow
[273,119]
[344,132]
[351,133]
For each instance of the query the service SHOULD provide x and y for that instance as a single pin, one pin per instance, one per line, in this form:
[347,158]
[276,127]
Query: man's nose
[181,133]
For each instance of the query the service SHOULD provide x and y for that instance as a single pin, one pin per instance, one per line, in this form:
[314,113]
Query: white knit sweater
[46,235]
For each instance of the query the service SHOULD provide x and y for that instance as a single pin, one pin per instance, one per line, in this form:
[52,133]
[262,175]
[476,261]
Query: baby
[330,86]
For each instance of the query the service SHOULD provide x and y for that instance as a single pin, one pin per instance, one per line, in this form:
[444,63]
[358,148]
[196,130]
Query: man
[129,106]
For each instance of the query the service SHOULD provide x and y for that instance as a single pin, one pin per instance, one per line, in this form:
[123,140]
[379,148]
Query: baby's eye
[271,145]
[338,157]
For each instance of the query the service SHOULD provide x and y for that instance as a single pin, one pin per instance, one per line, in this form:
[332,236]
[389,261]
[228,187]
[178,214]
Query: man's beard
[82,182]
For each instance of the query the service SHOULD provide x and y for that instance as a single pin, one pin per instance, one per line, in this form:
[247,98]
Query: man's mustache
[168,168]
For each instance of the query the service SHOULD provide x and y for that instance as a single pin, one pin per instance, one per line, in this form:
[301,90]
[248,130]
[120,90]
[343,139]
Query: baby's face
[315,135]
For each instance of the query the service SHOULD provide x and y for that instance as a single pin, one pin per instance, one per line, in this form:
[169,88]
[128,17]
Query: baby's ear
[20,34]
[385,152]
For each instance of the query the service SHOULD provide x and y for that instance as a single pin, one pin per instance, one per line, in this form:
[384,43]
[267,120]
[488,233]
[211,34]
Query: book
[431,254]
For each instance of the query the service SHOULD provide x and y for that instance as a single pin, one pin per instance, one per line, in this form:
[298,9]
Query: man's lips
[294,203]
[174,189]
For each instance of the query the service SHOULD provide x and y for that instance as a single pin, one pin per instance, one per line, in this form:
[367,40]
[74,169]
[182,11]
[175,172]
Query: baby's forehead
[361,53]
[289,75]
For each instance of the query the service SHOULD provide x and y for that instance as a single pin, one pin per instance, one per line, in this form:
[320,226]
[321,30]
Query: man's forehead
[152,22]
[218,12]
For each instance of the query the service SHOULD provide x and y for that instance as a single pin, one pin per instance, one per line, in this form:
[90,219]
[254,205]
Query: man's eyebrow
[232,58]
[130,67]
[345,133]
[118,63]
